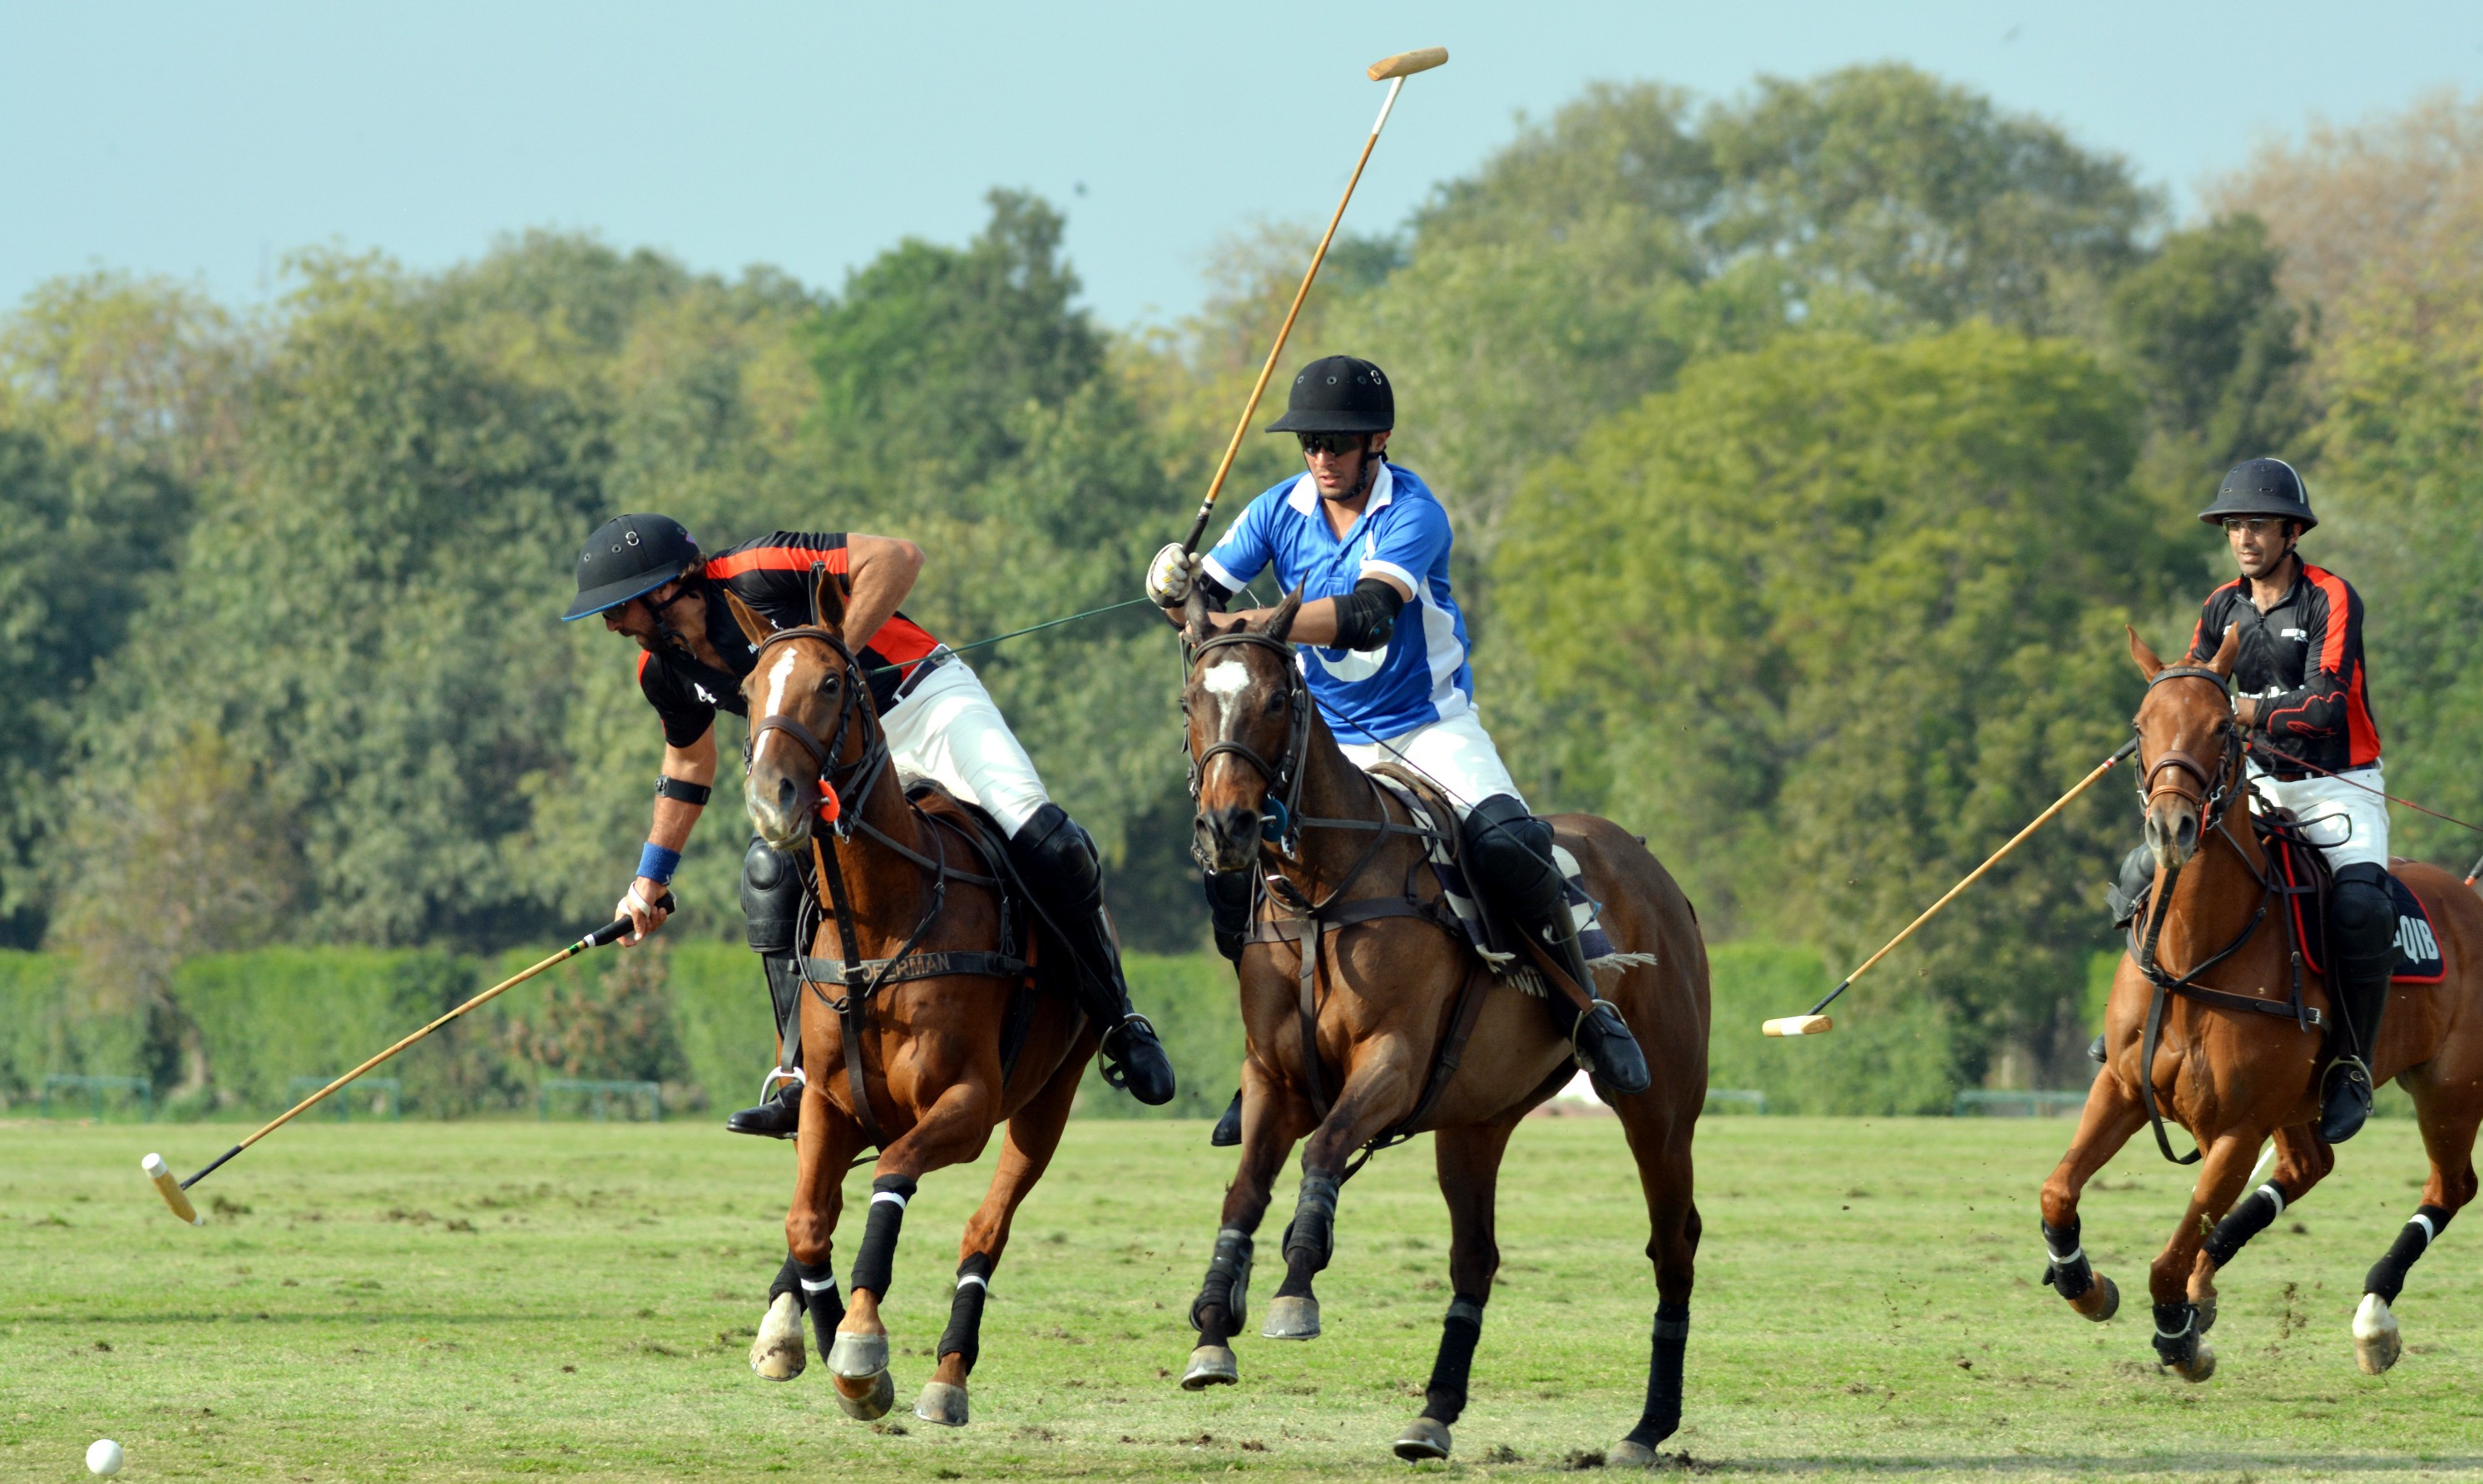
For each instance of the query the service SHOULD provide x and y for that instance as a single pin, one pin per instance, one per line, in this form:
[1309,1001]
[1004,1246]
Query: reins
[2214,798]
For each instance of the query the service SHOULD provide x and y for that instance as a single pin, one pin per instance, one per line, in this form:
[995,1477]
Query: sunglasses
[1330,444]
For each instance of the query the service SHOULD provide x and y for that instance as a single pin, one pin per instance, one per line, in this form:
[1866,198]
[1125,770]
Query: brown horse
[1393,1004]
[921,1029]
[2238,1020]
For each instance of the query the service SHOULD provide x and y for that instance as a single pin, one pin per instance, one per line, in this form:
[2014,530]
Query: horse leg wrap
[2068,1273]
[1663,1412]
[1445,1397]
[2177,1333]
[1312,1230]
[2246,1220]
[1227,1284]
[816,1284]
[964,1335]
[2388,1275]
[788,1280]
[873,1264]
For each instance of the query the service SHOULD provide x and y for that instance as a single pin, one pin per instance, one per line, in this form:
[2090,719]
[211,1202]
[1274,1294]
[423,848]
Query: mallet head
[170,1189]
[1798,1025]
[1405,64]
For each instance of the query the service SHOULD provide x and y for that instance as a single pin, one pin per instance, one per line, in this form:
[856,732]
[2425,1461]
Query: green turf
[461,1300]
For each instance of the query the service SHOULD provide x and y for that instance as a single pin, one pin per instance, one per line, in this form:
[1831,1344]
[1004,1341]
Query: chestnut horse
[2237,1060]
[906,1013]
[1393,989]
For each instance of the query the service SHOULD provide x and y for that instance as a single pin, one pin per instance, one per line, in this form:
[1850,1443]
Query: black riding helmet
[2261,487]
[1337,394]
[630,557]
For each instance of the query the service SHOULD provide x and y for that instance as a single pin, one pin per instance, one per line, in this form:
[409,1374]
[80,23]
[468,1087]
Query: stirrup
[1115,1075]
[2346,1080]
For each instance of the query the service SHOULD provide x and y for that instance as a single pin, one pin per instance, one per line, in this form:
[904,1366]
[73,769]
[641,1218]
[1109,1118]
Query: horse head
[804,692]
[1248,711]
[2185,730]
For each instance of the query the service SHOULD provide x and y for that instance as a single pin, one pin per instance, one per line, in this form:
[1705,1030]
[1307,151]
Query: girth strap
[917,966]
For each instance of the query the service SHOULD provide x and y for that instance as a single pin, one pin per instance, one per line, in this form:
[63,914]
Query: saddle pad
[1584,909]
[2419,960]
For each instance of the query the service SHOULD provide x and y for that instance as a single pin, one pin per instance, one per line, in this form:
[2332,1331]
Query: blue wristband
[656,863]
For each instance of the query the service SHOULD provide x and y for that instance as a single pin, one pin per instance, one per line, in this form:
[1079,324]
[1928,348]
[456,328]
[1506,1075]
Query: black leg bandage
[1663,1415]
[788,1280]
[2248,1218]
[1226,1286]
[1312,1230]
[818,1289]
[1445,1397]
[874,1264]
[2177,1333]
[964,1335]
[2388,1275]
[2069,1272]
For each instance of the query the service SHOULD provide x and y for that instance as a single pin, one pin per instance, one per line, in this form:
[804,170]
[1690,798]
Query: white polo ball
[103,1457]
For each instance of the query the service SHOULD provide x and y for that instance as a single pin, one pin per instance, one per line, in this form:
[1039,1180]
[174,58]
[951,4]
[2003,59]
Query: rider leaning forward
[1384,648]
[2300,691]
[651,582]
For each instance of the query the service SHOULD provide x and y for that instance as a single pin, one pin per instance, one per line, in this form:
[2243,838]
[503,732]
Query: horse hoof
[1629,1454]
[858,1357]
[874,1403]
[1211,1366]
[2199,1367]
[777,1353]
[2376,1345]
[941,1403]
[1423,1441]
[2206,1315]
[1292,1318]
[2100,1302]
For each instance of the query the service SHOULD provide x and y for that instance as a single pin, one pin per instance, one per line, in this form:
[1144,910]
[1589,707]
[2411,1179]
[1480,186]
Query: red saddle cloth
[2304,873]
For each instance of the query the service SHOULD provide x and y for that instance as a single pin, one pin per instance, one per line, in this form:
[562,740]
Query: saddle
[2302,871]
[1478,921]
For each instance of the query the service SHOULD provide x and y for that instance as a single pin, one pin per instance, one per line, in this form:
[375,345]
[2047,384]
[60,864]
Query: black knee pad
[1509,855]
[1057,858]
[771,898]
[2137,870]
[1228,900]
[2364,913]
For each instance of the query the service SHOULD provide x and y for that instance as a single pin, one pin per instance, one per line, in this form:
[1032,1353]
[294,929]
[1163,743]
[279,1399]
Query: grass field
[476,1301]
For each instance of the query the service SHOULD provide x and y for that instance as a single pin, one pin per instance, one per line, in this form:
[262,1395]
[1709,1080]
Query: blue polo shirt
[1421,675]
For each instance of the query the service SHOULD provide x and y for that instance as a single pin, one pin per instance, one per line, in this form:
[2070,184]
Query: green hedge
[695,1016]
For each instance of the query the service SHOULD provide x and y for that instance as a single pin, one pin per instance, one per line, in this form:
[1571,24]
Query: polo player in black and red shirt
[649,581]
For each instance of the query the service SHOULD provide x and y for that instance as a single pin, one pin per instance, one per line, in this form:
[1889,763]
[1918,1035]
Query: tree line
[1808,451]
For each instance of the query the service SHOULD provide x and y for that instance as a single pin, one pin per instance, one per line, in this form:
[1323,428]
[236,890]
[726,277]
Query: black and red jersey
[2303,658]
[772,574]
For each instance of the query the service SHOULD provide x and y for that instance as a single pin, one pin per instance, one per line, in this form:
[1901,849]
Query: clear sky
[207,140]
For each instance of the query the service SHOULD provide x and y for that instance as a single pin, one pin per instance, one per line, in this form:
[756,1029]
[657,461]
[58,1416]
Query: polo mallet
[2473,874]
[176,1193]
[1394,71]
[1816,1023]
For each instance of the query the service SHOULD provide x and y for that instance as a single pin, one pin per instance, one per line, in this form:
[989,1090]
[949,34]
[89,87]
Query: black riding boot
[771,901]
[2362,954]
[1056,862]
[1229,896]
[1508,853]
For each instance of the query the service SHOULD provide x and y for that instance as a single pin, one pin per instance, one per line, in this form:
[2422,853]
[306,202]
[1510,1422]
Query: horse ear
[753,629]
[1280,623]
[1195,613]
[2147,664]
[2227,651]
[827,598]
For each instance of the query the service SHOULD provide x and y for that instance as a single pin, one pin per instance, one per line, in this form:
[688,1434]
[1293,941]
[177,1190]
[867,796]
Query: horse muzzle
[1228,837]
[2173,830]
[781,814]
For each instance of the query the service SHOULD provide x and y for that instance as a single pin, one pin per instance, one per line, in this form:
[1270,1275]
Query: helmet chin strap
[1371,457]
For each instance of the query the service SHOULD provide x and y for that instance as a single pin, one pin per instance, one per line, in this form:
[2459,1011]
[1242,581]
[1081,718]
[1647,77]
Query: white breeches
[2349,826]
[1456,754]
[949,732]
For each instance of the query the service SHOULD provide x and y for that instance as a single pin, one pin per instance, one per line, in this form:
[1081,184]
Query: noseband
[834,781]
[2214,786]
[1283,775]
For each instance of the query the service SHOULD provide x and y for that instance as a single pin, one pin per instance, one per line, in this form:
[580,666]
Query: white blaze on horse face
[777,679]
[1227,680]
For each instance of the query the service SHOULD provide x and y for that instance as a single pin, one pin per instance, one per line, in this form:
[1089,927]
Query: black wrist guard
[683,789]
[1366,618]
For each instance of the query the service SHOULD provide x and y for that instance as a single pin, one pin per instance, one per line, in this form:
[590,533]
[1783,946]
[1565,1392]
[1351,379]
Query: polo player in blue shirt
[1384,648]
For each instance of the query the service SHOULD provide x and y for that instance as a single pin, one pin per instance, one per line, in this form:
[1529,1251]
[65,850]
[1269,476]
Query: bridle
[840,785]
[1284,776]
[2174,771]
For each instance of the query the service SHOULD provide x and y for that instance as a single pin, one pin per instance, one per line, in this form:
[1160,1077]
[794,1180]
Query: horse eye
[1275,703]
[828,685]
